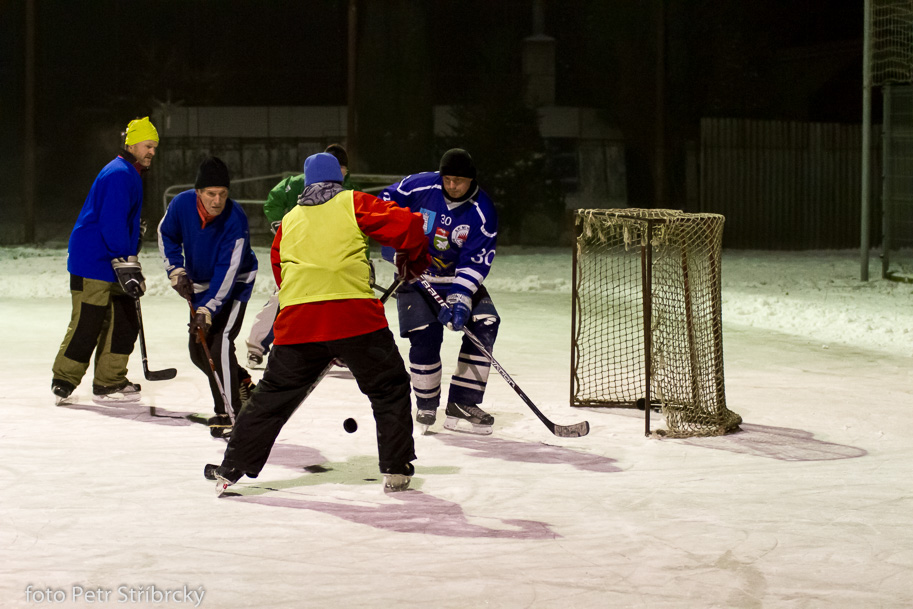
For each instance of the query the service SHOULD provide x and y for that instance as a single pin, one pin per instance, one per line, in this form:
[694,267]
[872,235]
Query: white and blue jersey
[461,238]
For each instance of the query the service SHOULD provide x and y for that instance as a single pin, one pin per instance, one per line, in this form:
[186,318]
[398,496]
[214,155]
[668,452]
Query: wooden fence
[787,185]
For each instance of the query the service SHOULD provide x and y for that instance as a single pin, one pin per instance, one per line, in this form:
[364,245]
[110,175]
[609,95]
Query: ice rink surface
[808,507]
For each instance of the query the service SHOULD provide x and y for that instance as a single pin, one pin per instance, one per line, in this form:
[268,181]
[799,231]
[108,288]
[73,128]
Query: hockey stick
[562,431]
[151,375]
[389,291]
[201,337]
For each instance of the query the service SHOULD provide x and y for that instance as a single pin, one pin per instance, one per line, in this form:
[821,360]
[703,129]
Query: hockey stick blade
[577,430]
[159,375]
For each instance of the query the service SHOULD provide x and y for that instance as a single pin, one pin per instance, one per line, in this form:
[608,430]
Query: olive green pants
[103,321]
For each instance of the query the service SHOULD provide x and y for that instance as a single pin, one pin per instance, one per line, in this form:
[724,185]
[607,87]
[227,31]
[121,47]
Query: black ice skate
[425,417]
[63,392]
[468,418]
[396,482]
[224,476]
[123,393]
[219,426]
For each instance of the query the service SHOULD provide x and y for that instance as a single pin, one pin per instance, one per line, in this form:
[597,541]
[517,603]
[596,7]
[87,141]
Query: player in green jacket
[284,195]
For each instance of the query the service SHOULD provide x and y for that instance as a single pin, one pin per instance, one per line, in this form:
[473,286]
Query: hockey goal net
[647,320]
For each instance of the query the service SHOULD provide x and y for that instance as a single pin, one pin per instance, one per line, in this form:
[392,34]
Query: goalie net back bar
[685,368]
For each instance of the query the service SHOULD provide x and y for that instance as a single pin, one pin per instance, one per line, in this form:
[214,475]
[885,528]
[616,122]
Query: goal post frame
[616,360]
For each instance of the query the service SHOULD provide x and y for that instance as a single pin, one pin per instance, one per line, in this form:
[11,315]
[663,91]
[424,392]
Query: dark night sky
[102,61]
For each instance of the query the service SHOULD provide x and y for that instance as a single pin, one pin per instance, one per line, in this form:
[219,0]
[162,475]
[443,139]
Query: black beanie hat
[457,162]
[212,172]
[340,153]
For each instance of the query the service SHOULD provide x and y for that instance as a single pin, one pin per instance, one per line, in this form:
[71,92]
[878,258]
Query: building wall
[264,140]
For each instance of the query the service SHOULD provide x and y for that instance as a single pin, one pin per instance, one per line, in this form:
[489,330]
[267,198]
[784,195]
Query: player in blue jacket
[106,277]
[462,227]
[204,240]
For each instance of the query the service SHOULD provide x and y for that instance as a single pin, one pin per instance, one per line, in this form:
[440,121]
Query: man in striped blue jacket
[204,240]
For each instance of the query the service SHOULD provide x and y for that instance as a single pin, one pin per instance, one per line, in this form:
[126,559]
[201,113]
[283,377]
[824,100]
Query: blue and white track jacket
[218,258]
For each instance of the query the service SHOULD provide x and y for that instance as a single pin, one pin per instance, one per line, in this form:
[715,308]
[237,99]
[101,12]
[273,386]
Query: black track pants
[292,370]
[221,342]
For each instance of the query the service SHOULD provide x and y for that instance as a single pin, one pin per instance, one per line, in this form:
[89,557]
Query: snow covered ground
[808,507]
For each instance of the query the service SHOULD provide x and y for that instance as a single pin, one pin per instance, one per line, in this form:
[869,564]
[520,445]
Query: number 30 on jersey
[484,257]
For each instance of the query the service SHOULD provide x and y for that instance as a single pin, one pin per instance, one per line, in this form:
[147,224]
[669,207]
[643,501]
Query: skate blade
[464,426]
[59,401]
[222,485]
[424,428]
[106,400]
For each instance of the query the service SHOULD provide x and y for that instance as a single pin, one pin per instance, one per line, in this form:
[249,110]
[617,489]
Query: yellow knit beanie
[140,130]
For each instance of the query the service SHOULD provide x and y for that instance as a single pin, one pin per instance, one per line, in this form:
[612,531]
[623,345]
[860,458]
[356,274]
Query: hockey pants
[373,360]
[104,321]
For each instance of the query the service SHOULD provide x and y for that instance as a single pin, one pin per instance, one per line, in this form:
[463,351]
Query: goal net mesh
[892,41]
[608,355]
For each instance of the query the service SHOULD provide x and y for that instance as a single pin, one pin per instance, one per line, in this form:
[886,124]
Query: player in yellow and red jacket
[327,310]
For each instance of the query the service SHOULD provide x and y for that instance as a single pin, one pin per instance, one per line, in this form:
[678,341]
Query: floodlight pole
[351,116]
[887,179]
[866,139]
[29,169]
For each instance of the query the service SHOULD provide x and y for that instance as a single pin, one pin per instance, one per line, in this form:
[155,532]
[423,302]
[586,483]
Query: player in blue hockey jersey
[462,227]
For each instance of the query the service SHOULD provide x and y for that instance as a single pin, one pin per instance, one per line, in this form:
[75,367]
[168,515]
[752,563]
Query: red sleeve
[274,257]
[389,224]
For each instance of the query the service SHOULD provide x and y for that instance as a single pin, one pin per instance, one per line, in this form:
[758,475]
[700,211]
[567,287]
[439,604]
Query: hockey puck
[654,406]
[350,425]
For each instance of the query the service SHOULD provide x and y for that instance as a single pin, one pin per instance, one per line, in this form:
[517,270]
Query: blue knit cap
[321,167]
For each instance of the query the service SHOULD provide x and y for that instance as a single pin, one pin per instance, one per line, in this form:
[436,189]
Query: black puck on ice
[350,425]
[654,406]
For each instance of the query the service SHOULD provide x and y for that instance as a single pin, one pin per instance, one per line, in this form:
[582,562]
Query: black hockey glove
[130,275]
[456,313]
[181,283]
[142,233]
[202,320]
